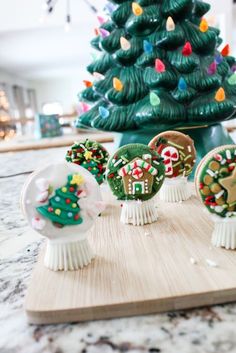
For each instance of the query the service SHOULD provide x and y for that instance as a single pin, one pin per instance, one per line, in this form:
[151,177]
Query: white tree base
[175,190]
[224,234]
[138,213]
[69,256]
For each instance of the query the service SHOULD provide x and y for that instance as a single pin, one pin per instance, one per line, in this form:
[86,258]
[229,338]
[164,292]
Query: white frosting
[56,175]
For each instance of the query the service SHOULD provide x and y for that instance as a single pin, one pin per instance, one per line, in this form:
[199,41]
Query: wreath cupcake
[215,182]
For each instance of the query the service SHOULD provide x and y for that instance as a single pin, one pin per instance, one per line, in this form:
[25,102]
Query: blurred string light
[48,7]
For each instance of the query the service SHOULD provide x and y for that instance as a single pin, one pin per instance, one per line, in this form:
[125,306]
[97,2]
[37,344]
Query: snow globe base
[138,213]
[224,234]
[175,190]
[68,256]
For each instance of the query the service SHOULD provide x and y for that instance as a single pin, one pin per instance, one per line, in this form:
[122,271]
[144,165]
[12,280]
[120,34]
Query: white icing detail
[172,154]
[218,209]
[42,197]
[210,172]
[156,162]
[38,223]
[42,184]
[223,161]
[147,156]
[228,154]
[193,261]
[118,162]
[219,194]
[189,148]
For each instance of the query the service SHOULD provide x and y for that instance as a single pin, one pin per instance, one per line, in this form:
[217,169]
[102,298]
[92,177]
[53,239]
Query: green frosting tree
[63,209]
[159,69]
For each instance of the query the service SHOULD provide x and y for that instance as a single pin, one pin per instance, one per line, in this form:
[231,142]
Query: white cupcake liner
[67,256]
[224,234]
[138,213]
[175,190]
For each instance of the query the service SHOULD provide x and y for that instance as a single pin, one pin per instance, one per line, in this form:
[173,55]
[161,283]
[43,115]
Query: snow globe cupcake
[61,202]
[215,181]
[179,155]
[135,173]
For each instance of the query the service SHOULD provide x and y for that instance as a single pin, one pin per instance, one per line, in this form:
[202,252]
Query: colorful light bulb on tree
[168,41]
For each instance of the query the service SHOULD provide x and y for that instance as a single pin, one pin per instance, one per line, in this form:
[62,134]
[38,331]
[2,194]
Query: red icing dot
[76,217]
[231,168]
[229,161]
[71,189]
[50,209]
[89,168]
[201,186]
[68,201]
[111,175]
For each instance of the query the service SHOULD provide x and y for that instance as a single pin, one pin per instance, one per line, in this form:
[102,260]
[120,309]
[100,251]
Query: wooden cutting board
[138,270]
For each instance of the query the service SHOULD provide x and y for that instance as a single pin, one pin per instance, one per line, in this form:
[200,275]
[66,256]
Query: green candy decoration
[135,172]
[63,208]
[90,155]
[154,99]
[171,32]
[232,79]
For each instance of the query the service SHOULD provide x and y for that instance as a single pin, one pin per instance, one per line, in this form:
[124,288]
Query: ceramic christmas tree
[160,69]
[135,173]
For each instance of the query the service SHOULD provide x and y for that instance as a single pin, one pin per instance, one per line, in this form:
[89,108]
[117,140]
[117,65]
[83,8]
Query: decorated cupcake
[135,173]
[215,182]
[90,155]
[179,155]
[61,202]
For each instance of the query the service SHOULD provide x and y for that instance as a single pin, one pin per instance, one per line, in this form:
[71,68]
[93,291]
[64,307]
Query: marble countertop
[207,330]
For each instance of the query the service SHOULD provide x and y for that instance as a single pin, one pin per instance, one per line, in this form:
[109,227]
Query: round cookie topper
[178,152]
[90,155]
[215,181]
[60,201]
[135,172]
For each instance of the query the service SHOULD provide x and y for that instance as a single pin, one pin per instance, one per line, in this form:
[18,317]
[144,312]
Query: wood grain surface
[138,270]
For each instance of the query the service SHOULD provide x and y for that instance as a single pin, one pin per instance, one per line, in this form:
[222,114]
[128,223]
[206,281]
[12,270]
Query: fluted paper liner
[138,213]
[68,256]
[224,234]
[175,190]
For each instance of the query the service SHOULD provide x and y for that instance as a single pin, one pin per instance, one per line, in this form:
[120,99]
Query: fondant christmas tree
[63,208]
[159,67]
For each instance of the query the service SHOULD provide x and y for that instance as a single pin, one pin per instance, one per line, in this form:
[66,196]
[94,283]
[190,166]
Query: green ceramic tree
[159,69]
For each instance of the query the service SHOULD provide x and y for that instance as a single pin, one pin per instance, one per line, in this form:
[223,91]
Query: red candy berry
[111,175]
[89,168]
[71,189]
[50,209]
[68,201]
[76,217]
[201,186]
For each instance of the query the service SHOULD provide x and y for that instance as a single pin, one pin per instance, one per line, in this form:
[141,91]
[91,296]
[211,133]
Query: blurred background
[44,51]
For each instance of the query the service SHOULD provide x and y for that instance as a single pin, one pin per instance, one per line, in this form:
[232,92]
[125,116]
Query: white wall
[12,79]
[59,90]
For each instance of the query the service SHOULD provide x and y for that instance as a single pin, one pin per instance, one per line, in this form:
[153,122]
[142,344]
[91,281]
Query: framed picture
[47,126]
